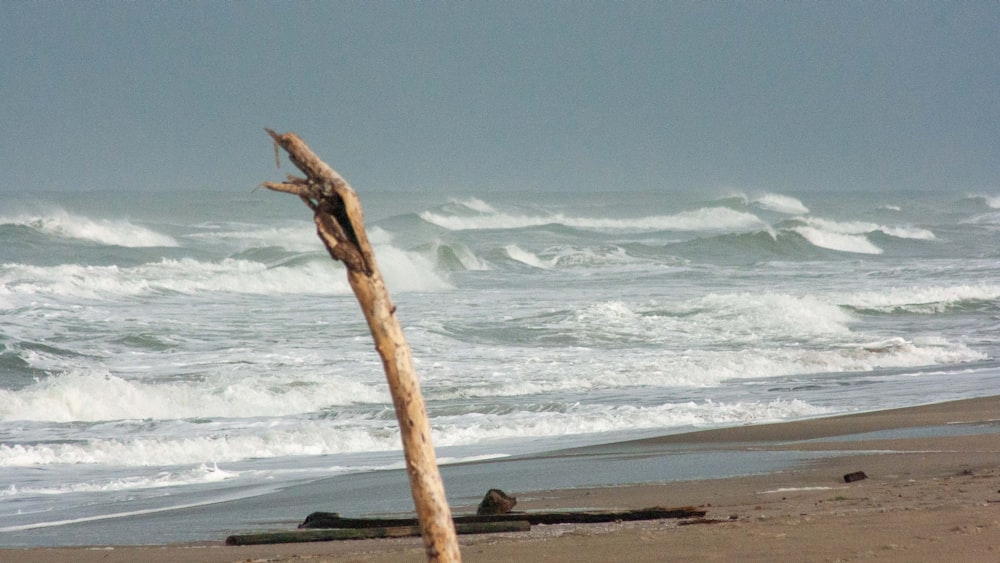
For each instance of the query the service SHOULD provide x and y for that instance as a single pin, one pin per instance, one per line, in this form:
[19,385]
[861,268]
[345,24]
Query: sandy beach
[932,493]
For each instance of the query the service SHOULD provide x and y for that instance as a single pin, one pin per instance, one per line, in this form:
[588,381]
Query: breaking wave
[781,204]
[312,275]
[315,438]
[704,219]
[119,232]
[101,396]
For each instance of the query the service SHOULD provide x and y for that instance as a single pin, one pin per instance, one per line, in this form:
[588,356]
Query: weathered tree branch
[340,225]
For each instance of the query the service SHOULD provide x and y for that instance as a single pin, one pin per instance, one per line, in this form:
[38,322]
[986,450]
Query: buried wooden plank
[339,534]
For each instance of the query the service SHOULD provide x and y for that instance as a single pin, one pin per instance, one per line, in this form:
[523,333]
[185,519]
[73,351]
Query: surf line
[54,523]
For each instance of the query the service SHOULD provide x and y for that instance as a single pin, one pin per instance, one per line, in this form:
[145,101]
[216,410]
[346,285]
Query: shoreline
[932,492]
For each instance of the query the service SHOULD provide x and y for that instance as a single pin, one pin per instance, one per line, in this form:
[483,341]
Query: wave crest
[703,219]
[313,274]
[923,300]
[117,232]
[84,396]
[781,204]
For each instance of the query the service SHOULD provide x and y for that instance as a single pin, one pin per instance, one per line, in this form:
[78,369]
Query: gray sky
[479,97]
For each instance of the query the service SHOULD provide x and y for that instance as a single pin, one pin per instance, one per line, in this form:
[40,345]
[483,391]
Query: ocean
[161,351]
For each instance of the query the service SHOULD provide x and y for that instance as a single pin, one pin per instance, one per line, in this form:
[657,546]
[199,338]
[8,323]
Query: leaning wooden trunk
[340,225]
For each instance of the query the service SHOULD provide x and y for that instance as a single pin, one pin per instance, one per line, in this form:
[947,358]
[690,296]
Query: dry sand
[932,494]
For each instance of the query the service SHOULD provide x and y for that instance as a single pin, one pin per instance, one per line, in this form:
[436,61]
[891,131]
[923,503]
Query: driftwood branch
[330,526]
[319,520]
[340,225]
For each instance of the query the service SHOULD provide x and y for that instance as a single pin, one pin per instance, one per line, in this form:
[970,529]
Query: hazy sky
[474,97]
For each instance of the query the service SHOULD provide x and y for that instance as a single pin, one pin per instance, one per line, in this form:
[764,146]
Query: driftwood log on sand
[334,520]
[330,526]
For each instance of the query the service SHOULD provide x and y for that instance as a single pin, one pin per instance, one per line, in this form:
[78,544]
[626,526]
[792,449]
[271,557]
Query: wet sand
[932,494]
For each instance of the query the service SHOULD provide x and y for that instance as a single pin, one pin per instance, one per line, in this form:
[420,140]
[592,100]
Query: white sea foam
[468,258]
[566,256]
[767,315]
[117,232]
[474,204]
[204,473]
[861,227]
[305,438]
[703,219]
[714,368]
[907,232]
[547,374]
[299,238]
[404,271]
[378,236]
[578,419]
[87,396]
[927,300]
[114,515]
[796,489]
[409,271]
[314,438]
[733,318]
[838,241]
[184,276]
[781,204]
[525,257]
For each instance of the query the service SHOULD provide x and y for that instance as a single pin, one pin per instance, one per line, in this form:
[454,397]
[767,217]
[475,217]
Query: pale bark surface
[340,225]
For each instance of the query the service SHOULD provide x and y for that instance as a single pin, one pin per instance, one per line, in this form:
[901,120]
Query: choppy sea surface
[160,350]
